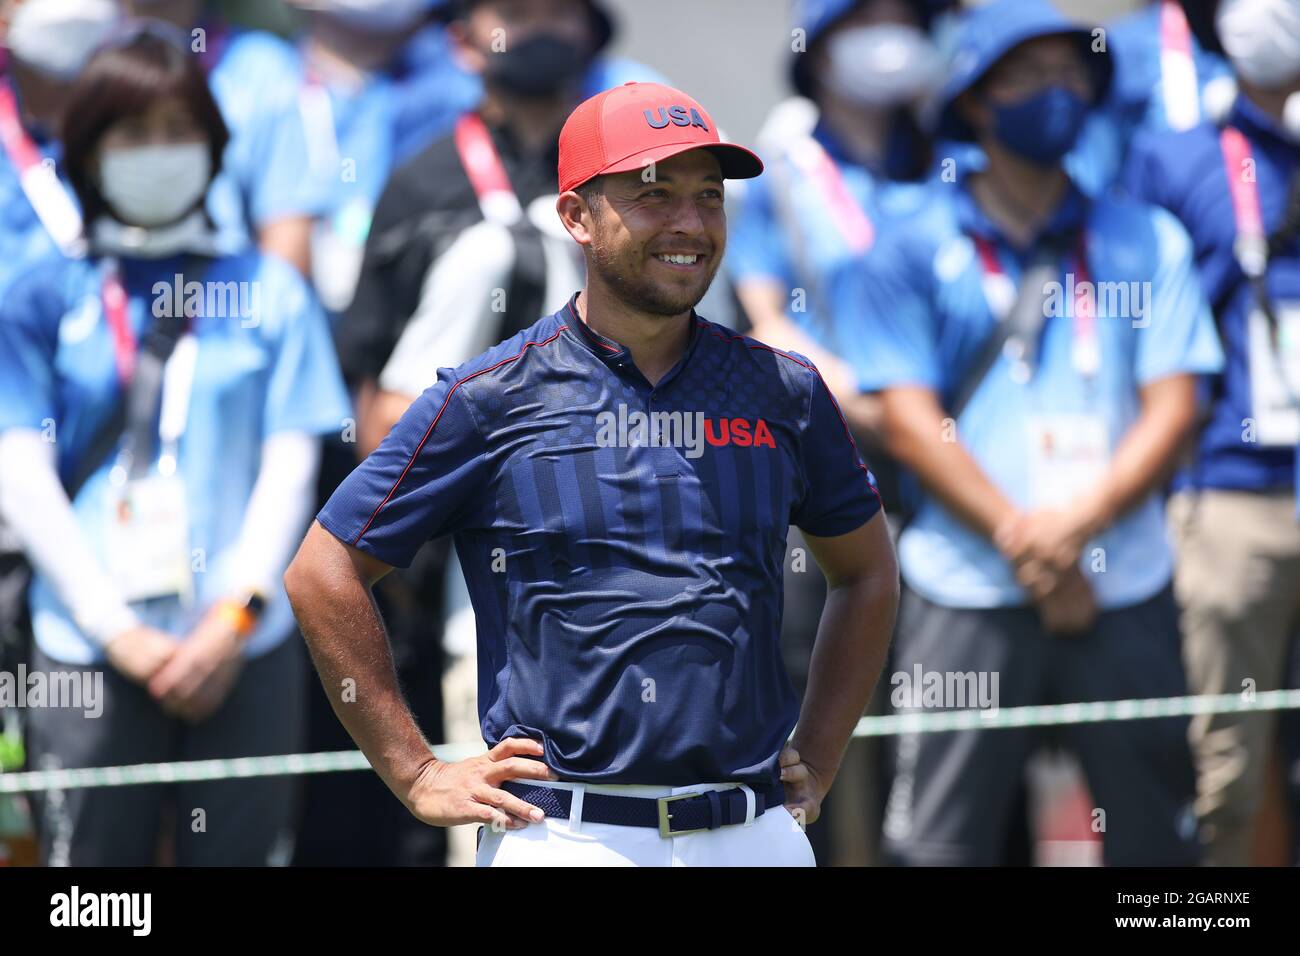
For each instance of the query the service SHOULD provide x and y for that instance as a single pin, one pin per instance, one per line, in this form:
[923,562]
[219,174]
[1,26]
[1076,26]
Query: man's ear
[576,216]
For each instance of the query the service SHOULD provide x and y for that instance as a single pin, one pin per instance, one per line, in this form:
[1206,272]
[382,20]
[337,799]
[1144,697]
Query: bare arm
[856,626]
[1054,539]
[328,585]
[764,303]
[290,239]
[920,434]
[382,411]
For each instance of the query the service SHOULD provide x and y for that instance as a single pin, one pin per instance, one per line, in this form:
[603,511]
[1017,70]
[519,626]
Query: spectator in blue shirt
[860,70]
[258,199]
[47,42]
[160,412]
[1164,79]
[1235,186]
[1037,553]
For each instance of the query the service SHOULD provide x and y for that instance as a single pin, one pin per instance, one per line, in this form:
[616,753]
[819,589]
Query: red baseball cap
[629,126]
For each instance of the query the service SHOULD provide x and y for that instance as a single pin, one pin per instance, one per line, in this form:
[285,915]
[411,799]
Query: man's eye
[654,193]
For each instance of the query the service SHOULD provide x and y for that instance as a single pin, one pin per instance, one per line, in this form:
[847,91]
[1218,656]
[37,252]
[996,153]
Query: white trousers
[773,839]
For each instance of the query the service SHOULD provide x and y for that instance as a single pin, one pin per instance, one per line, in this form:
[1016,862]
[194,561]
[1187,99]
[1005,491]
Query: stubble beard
[643,294]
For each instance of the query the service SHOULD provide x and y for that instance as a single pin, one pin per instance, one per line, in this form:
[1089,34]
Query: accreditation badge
[148,539]
[1068,456]
[1275,375]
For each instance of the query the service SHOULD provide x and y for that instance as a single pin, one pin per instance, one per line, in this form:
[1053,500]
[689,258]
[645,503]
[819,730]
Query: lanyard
[1085,351]
[124,344]
[178,373]
[55,209]
[1178,84]
[1251,244]
[852,222]
[487,174]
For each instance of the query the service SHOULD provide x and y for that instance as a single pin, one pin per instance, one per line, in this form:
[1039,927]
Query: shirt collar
[1068,218]
[616,354]
[833,145]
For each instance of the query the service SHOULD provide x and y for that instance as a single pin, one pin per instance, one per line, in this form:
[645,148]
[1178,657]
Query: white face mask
[56,39]
[882,65]
[155,185]
[1262,39]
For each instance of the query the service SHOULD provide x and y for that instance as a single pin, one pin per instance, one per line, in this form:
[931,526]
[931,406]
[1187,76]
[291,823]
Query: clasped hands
[1043,547]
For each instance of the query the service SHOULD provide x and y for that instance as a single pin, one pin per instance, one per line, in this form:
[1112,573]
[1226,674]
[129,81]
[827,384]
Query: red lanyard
[1251,246]
[115,310]
[17,143]
[487,174]
[53,206]
[1086,353]
[853,223]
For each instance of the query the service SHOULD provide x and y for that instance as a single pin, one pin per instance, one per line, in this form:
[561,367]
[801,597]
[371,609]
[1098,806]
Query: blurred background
[363,182]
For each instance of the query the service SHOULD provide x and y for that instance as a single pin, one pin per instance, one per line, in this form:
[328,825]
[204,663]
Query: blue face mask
[1042,128]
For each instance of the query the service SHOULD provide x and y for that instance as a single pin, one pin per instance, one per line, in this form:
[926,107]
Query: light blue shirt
[269,369]
[256,83]
[787,228]
[915,313]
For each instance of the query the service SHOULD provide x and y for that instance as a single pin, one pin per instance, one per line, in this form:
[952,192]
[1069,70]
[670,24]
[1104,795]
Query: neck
[535,121]
[1271,102]
[1019,196]
[861,129]
[341,51]
[655,341]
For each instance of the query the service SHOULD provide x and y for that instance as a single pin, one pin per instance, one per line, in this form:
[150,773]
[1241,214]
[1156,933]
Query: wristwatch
[244,611]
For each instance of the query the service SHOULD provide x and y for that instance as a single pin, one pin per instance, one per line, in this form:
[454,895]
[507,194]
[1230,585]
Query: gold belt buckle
[665,816]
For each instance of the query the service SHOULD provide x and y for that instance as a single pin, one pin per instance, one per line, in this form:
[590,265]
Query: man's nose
[686,218]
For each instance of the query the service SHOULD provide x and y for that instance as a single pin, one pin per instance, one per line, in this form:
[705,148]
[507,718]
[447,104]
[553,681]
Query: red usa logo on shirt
[688,430]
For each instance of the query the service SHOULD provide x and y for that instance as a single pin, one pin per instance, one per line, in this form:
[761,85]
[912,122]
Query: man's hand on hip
[468,791]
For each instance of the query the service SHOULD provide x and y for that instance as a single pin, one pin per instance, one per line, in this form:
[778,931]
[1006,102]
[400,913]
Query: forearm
[923,438]
[764,302]
[35,506]
[288,238]
[1144,459]
[852,641]
[350,649]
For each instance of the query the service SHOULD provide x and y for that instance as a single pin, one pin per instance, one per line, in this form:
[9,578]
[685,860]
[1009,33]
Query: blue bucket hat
[816,17]
[987,33]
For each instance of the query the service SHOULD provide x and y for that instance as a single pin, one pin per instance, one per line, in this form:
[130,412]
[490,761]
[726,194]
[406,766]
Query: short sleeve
[28,343]
[306,391]
[884,328]
[839,492]
[1179,336]
[276,184]
[420,483]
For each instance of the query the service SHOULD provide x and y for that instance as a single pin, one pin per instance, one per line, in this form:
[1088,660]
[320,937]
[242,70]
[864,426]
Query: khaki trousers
[1238,584]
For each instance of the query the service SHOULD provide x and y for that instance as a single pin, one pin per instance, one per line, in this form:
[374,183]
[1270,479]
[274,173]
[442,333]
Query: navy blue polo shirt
[623,543]
[1185,173]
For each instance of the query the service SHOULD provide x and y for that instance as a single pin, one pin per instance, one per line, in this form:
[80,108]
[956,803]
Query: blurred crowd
[1050,270]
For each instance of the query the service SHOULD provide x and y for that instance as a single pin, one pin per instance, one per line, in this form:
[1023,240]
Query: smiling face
[655,244]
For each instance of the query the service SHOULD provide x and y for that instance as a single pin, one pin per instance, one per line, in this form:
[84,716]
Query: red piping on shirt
[451,391]
[834,404]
